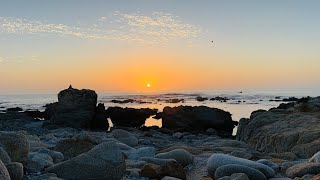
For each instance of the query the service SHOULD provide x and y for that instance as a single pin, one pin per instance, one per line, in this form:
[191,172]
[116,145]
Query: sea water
[240,104]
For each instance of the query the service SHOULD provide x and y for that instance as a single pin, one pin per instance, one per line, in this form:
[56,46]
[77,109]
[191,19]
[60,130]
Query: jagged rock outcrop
[77,108]
[129,117]
[293,127]
[198,118]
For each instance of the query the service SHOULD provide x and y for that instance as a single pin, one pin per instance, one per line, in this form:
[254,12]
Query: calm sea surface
[240,104]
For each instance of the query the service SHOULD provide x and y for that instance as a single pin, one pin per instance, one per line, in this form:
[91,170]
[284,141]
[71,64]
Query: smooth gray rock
[37,162]
[133,164]
[48,176]
[182,156]
[302,169]
[16,145]
[71,148]
[170,178]
[157,161]
[56,156]
[286,165]
[104,161]
[125,137]
[217,160]
[269,163]
[15,170]
[177,135]
[239,176]
[230,169]
[142,152]
[241,154]
[315,158]
[4,174]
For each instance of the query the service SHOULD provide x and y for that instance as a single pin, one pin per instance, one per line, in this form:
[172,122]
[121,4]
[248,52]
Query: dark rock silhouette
[77,108]
[129,117]
[199,98]
[122,101]
[198,118]
[174,100]
[218,98]
[15,109]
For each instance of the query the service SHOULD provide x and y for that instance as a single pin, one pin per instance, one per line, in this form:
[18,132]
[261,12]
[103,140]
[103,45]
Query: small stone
[269,163]
[239,176]
[182,156]
[4,174]
[177,135]
[217,160]
[38,161]
[153,171]
[4,156]
[142,152]
[315,158]
[302,169]
[15,170]
[157,161]
[125,137]
[228,170]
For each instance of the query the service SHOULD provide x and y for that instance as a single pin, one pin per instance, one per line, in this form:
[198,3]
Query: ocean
[240,104]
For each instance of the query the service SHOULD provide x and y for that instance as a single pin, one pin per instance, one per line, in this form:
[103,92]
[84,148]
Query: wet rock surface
[199,118]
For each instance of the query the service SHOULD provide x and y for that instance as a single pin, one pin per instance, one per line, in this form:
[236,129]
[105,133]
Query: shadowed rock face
[130,117]
[294,128]
[77,108]
[198,118]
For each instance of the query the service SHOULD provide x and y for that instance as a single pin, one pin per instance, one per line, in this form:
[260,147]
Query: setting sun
[148,85]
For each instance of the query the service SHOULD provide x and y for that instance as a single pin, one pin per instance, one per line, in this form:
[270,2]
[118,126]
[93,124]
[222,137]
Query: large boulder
[198,118]
[130,117]
[71,148]
[294,128]
[16,145]
[104,161]
[217,160]
[77,108]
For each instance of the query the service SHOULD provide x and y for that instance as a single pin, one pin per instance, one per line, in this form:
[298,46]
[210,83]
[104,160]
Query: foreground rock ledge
[293,128]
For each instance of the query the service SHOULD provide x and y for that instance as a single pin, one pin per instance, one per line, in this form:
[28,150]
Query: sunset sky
[123,45]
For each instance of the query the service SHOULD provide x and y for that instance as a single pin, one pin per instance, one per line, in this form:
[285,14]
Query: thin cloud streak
[158,28]
[18,59]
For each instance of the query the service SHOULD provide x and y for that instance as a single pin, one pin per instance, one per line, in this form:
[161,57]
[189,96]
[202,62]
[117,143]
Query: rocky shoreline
[70,140]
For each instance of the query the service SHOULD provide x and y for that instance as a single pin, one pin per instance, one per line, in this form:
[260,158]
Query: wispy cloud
[18,59]
[156,28]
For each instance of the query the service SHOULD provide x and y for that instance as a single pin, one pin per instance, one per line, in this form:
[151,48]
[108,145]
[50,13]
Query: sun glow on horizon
[148,85]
